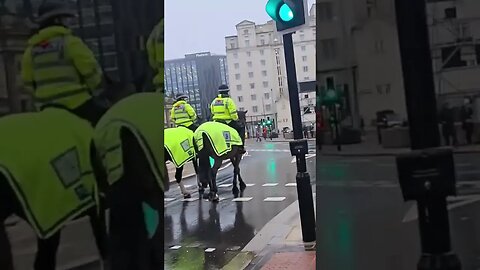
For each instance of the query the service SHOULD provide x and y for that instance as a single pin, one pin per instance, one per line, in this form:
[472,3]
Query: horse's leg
[6,206]
[235,173]
[201,187]
[178,177]
[99,229]
[237,167]
[213,188]
[46,256]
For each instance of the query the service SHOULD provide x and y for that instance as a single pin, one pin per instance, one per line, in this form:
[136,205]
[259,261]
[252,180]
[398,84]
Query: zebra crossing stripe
[225,185]
[250,185]
[274,199]
[242,199]
[190,199]
[270,185]
[168,199]
[208,250]
[175,247]
[291,184]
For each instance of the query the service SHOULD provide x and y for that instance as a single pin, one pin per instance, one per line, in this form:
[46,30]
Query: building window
[240,99]
[237,65]
[245,32]
[239,87]
[265,84]
[306,78]
[303,48]
[249,54]
[325,13]
[266,95]
[237,76]
[253,97]
[263,62]
[302,37]
[264,73]
[262,42]
[252,85]
[250,74]
[262,52]
[268,107]
[451,13]
[235,55]
[242,109]
[249,63]
[254,108]
[247,43]
[304,58]
[305,69]
[232,45]
[329,48]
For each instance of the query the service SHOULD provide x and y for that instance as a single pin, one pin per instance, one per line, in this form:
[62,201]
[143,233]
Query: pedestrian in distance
[448,124]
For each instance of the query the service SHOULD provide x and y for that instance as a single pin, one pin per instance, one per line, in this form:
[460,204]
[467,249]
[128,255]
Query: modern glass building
[198,76]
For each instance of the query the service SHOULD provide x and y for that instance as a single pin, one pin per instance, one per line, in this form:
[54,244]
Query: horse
[179,175]
[208,173]
[47,248]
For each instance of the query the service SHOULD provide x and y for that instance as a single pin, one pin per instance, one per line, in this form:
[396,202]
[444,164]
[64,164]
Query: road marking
[187,186]
[307,156]
[208,250]
[250,185]
[274,199]
[454,202]
[189,199]
[242,199]
[270,185]
[225,185]
[175,247]
[291,184]
[169,199]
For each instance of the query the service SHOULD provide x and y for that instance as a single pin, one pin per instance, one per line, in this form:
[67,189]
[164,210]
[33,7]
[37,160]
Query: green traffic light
[286,13]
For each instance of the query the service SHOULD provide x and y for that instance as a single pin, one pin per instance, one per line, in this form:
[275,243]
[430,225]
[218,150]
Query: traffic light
[288,14]
[268,121]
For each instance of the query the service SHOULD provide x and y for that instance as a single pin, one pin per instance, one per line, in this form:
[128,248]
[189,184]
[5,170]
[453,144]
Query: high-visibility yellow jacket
[183,114]
[58,68]
[224,108]
[155,50]
[45,157]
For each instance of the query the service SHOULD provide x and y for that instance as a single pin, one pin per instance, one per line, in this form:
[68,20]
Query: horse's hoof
[187,196]
[213,197]
[235,192]
[243,186]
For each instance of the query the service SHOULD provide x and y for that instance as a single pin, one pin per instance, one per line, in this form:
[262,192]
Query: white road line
[208,250]
[242,199]
[270,185]
[307,156]
[190,199]
[274,199]
[291,184]
[169,199]
[175,247]
[225,185]
[250,185]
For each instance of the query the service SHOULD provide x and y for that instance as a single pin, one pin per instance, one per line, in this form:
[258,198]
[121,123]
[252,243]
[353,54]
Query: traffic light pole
[424,133]
[299,147]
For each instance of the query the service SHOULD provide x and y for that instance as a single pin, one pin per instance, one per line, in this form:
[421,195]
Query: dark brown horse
[208,173]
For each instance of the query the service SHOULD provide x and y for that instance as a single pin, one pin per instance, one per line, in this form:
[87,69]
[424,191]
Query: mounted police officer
[58,68]
[224,110]
[183,114]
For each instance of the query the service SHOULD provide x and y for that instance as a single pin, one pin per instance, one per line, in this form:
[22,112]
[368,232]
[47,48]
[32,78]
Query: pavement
[363,222]
[202,233]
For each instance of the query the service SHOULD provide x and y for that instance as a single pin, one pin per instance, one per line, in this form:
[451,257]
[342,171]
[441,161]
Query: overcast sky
[201,26]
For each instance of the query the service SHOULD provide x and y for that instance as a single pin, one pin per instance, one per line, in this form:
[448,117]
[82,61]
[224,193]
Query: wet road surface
[363,222]
[204,235]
